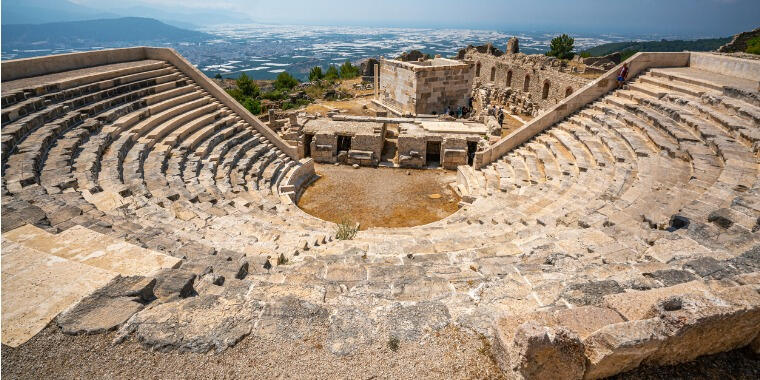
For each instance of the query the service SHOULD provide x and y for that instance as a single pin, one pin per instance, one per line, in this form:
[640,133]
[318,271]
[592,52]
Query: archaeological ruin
[614,229]
[424,86]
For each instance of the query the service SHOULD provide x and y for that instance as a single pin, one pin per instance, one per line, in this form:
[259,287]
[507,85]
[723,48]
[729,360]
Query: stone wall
[412,149]
[527,82]
[424,87]
[366,141]
[398,86]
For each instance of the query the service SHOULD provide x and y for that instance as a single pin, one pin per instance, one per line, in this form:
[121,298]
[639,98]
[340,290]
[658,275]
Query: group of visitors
[459,113]
[496,111]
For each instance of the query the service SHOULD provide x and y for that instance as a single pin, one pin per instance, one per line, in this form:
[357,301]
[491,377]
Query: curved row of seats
[140,144]
[630,189]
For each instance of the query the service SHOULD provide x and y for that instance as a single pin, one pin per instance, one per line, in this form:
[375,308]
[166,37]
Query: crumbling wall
[411,151]
[366,149]
[528,83]
[323,147]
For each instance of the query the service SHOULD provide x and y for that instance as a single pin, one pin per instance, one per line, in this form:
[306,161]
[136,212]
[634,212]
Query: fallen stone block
[622,346]
[196,324]
[174,283]
[109,307]
[542,352]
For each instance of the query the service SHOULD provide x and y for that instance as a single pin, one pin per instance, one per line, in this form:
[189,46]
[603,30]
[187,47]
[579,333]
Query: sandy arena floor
[380,197]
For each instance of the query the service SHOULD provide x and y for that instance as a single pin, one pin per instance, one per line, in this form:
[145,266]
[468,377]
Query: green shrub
[218,76]
[562,47]
[236,94]
[274,95]
[315,91]
[625,54]
[585,54]
[316,73]
[247,86]
[332,73]
[252,105]
[753,46]
[285,81]
[348,71]
[346,230]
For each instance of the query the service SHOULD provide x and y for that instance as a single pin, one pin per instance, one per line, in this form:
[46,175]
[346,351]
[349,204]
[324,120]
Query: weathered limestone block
[174,283]
[622,346]
[579,322]
[673,325]
[542,352]
[702,326]
[633,305]
[109,307]
[195,324]
[453,158]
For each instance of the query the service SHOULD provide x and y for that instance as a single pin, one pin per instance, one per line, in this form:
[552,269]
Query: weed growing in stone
[346,230]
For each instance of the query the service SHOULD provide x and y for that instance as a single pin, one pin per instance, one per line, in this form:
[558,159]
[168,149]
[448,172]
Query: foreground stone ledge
[657,327]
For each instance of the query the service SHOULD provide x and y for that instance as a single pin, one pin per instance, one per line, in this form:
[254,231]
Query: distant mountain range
[47,11]
[630,47]
[75,34]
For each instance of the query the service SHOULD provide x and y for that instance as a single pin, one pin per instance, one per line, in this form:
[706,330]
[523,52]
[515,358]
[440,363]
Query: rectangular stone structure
[424,87]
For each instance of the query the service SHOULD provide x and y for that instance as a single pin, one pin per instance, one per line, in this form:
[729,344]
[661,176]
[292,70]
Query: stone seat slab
[37,286]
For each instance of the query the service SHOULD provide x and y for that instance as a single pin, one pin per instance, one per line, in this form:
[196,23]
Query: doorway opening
[433,153]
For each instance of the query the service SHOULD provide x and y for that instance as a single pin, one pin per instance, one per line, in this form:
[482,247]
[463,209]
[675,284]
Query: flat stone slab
[37,286]
[93,248]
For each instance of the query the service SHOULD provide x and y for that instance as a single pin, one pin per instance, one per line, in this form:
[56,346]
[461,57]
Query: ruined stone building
[424,87]
[524,83]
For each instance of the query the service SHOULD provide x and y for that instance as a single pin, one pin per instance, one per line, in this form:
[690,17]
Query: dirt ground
[355,106]
[380,197]
[448,354]
[509,125]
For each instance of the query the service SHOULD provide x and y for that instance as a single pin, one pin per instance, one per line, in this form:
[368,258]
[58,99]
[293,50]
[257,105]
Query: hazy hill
[43,11]
[93,32]
[47,11]
[708,44]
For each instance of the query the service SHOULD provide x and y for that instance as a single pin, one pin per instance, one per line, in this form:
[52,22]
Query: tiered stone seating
[652,188]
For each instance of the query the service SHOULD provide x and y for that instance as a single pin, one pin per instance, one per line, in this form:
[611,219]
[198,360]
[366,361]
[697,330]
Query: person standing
[622,75]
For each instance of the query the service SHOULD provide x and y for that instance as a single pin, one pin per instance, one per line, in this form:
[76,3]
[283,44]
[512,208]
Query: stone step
[37,286]
[89,247]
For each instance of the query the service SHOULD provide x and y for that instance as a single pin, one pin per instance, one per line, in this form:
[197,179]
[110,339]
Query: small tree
[316,73]
[247,86]
[348,71]
[562,47]
[218,76]
[332,73]
[285,81]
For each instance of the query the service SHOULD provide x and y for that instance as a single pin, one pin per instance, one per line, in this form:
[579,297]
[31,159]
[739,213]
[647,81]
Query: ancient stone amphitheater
[617,229]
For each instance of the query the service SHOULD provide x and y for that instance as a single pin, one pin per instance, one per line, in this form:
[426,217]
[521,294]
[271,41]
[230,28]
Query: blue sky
[678,17]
